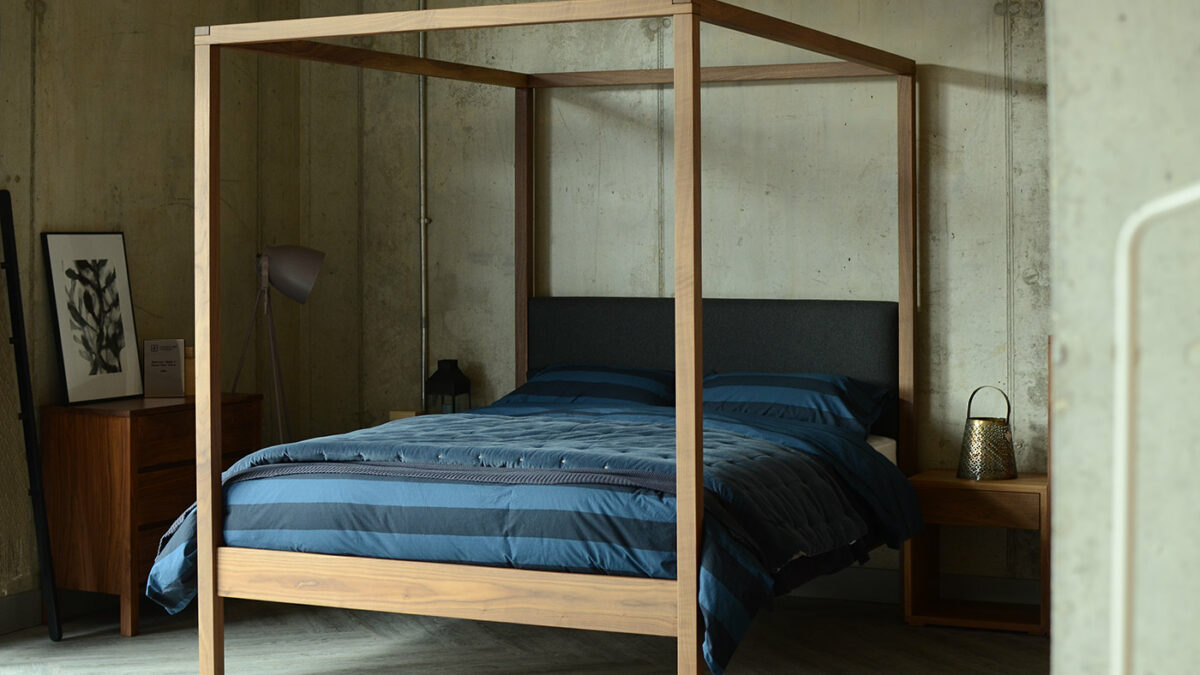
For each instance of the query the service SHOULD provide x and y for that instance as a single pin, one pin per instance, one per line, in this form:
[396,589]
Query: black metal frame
[28,415]
[60,345]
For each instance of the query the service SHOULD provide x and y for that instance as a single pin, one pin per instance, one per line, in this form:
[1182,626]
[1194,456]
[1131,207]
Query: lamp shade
[293,269]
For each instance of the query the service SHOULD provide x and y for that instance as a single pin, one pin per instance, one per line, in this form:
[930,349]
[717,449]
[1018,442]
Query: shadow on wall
[933,225]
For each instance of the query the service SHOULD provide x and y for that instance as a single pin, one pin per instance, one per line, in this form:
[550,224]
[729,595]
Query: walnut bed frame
[634,605]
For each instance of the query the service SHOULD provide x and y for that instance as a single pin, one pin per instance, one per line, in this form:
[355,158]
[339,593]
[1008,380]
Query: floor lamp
[292,270]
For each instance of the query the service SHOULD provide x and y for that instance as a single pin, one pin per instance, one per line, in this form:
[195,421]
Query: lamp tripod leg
[280,401]
[246,340]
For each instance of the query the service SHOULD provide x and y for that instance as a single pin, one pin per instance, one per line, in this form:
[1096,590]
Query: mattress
[884,446]
[568,488]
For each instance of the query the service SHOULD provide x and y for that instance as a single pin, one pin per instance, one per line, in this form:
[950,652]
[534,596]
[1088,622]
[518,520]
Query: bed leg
[212,636]
[688,654]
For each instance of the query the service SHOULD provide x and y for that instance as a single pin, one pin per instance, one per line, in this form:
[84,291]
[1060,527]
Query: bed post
[907,195]
[688,341]
[207,204]
[523,205]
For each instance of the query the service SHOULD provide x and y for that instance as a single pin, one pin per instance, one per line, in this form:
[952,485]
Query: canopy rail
[711,74]
[526,14]
[765,26]
[260,35]
[325,52]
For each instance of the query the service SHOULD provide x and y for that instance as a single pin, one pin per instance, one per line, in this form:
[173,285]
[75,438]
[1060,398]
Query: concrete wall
[799,199]
[96,136]
[18,559]
[1123,110]
[310,116]
[799,196]
[390,243]
[338,172]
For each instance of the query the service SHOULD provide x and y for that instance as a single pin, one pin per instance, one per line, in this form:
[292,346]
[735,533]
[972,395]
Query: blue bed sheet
[565,487]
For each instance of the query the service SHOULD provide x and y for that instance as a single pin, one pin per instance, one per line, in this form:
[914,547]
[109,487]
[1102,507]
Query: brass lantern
[987,447]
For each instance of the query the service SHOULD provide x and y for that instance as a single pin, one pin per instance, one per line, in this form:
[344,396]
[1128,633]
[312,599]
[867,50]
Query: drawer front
[163,495]
[170,438]
[164,438]
[239,428]
[147,547]
[949,506]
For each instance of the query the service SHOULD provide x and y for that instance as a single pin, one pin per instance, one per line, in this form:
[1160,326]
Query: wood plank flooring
[799,635]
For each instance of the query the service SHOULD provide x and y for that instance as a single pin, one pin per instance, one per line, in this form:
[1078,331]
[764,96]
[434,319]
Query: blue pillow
[807,397]
[600,385]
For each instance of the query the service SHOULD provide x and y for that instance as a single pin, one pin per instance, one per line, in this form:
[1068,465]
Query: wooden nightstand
[1022,503]
[117,473]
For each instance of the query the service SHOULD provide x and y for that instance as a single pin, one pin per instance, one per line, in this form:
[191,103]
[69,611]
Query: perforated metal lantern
[446,384]
[987,447]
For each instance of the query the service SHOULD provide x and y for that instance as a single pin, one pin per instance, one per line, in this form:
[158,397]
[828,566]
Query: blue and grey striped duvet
[568,488]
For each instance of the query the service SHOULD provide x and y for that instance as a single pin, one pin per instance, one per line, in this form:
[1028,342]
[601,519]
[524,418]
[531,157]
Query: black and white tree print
[95,309]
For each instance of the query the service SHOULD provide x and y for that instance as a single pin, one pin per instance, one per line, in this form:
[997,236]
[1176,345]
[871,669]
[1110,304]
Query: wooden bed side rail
[523,14]
[762,25]
[586,601]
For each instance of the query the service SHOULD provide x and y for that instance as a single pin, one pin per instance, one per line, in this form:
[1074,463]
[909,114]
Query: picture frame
[92,308]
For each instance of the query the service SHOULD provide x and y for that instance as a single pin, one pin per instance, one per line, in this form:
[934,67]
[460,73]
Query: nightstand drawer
[170,438]
[239,432]
[163,495]
[147,548]
[950,506]
[164,439]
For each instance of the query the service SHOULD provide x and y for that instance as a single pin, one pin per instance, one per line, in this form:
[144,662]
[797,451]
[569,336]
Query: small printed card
[164,368]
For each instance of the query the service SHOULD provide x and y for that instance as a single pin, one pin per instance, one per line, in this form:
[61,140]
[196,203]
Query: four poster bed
[823,487]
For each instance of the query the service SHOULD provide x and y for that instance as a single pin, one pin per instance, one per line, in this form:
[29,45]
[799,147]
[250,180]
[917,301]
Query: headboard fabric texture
[858,338]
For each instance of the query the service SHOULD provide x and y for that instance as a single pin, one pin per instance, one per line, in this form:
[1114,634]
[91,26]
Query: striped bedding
[567,487]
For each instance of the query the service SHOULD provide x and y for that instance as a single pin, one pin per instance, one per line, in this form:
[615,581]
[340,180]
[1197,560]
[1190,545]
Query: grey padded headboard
[858,338]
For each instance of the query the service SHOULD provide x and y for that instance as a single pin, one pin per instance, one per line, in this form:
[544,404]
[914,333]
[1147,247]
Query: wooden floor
[800,635]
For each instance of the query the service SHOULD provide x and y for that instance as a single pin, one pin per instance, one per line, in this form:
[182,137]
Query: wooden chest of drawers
[117,473]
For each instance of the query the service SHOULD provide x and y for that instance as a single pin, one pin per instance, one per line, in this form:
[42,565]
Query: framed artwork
[93,315]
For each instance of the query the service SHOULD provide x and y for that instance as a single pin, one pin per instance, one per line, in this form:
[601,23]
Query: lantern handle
[1007,403]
